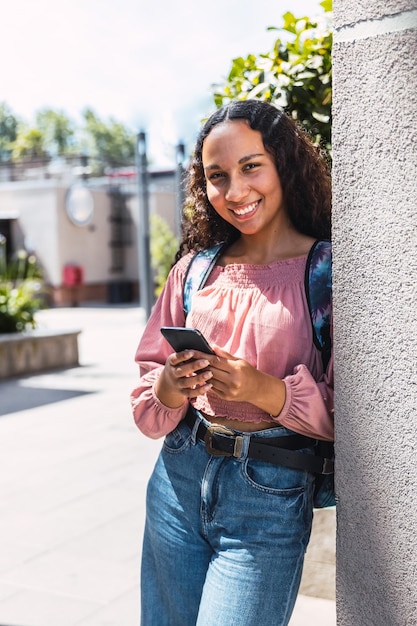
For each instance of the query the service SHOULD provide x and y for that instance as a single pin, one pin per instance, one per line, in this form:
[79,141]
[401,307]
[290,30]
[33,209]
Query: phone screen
[185,339]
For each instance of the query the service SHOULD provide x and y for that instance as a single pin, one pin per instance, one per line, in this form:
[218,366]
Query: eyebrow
[244,159]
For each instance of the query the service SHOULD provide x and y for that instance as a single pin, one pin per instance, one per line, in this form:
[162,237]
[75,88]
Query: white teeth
[246,210]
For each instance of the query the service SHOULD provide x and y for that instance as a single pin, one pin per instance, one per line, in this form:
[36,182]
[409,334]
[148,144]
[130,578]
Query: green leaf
[327,5]
[289,22]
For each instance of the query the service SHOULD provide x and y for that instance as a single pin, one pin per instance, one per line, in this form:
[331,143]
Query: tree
[296,74]
[107,143]
[29,144]
[58,131]
[8,130]
[111,143]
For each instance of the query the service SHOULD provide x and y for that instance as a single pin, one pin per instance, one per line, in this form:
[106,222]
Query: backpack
[318,287]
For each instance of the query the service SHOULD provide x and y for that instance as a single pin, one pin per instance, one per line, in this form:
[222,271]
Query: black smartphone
[185,339]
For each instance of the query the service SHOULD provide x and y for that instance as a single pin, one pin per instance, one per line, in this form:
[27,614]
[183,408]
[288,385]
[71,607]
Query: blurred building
[82,228]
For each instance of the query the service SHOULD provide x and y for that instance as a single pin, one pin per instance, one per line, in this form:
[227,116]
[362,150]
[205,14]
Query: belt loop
[244,441]
[198,419]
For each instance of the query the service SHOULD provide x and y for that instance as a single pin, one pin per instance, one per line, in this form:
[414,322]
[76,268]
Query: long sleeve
[152,417]
[309,407]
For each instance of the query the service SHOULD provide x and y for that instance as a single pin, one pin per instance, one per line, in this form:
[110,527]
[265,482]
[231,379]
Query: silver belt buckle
[222,430]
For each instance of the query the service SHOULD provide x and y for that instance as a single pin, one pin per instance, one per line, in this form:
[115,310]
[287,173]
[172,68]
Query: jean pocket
[178,440]
[274,479]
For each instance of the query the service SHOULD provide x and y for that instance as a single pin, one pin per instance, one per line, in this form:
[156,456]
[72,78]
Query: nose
[237,189]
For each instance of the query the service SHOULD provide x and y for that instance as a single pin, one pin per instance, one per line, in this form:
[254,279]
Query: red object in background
[73,275]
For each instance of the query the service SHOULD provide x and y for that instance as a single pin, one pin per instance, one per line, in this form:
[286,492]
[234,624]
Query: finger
[197,385]
[223,353]
[180,357]
[190,368]
[218,388]
[196,380]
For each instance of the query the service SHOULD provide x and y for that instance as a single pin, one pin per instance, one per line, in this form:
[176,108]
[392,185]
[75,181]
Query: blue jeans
[225,538]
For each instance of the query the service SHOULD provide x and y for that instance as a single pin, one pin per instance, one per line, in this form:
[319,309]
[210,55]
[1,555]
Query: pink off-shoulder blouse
[255,312]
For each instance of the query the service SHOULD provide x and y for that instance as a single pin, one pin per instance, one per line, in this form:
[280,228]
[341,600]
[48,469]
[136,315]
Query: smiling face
[243,185]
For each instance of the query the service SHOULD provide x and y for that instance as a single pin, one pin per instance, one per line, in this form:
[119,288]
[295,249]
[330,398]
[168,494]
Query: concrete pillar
[375,285]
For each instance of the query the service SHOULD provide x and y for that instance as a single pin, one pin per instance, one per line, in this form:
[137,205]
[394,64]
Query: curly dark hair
[302,169]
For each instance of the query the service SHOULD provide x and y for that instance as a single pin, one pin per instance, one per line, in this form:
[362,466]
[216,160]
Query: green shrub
[163,246]
[21,286]
[295,75]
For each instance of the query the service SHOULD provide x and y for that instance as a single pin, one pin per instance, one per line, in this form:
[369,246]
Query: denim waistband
[276,430]
[280,448]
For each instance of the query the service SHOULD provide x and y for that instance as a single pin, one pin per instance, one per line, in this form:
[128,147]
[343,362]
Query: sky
[149,65]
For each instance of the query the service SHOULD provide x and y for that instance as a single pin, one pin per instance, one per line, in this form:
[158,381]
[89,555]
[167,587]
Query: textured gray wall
[375,278]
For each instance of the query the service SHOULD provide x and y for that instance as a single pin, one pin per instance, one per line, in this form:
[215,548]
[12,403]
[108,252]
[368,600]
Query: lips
[249,208]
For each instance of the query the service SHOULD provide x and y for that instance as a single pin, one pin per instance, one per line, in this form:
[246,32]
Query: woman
[225,536]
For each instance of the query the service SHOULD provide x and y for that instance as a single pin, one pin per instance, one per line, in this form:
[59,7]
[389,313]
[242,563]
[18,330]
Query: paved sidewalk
[73,473]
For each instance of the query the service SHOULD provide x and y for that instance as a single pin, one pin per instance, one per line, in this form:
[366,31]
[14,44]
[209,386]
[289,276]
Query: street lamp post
[146,288]
[180,154]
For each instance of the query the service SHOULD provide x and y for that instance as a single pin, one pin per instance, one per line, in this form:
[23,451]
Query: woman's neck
[288,245]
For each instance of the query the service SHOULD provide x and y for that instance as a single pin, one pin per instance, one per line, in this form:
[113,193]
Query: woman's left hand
[233,378]
[237,380]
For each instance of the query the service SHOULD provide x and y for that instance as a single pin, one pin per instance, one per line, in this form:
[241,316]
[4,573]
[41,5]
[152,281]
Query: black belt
[221,441]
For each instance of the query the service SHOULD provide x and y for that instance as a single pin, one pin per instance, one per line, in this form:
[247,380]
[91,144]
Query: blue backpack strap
[318,286]
[198,271]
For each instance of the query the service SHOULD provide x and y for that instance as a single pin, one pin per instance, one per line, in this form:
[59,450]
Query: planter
[37,351]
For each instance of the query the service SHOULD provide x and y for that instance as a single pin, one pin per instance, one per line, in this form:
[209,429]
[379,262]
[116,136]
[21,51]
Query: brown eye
[251,166]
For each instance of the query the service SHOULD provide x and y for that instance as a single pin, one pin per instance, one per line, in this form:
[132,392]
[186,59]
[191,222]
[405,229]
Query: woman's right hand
[183,377]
